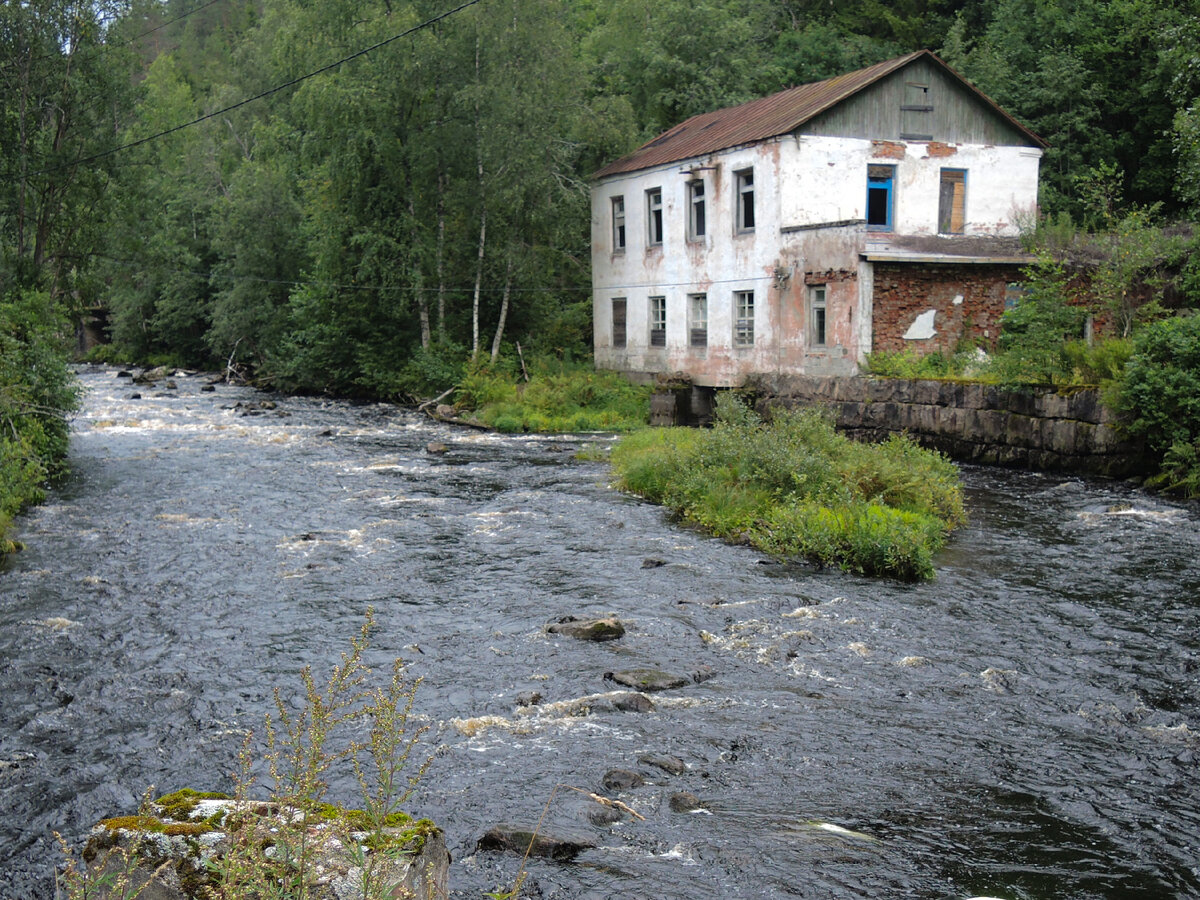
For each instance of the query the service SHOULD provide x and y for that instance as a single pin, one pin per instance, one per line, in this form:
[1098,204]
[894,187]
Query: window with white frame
[744,183]
[698,319]
[618,223]
[743,318]
[618,322]
[816,315]
[658,321]
[696,212]
[654,217]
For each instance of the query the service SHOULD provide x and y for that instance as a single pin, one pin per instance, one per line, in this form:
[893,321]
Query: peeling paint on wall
[922,327]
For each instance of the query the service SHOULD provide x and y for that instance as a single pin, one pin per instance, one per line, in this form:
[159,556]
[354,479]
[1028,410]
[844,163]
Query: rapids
[1025,726]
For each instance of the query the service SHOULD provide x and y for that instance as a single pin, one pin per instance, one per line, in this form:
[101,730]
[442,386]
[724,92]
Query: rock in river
[648,679]
[174,852]
[606,629]
[515,839]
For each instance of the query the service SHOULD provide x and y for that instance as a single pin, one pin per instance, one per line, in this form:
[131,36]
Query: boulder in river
[173,850]
[622,780]
[672,765]
[648,679]
[630,701]
[516,839]
[606,629]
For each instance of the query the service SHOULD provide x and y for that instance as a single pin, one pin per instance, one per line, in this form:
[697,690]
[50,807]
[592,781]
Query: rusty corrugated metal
[770,117]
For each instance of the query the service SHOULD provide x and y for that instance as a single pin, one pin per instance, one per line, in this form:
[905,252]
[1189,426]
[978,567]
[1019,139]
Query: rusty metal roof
[772,116]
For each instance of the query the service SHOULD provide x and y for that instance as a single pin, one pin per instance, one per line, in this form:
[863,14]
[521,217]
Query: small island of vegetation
[795,487]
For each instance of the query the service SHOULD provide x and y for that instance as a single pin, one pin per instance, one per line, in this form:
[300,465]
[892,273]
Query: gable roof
[776,115]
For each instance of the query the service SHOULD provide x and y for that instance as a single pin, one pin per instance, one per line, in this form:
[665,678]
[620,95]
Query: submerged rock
[648,679]
[606,629]
[684,802]
[629,701]
[516,839]
[672,765]
[622,780]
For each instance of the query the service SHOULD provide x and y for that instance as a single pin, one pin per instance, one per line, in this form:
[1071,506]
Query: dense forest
[359,196]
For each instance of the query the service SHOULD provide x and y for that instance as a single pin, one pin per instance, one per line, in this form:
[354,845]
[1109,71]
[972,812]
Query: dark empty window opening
[618,222]
[696,213]
[654,216]
[880,180]
[658,321]
[952,202]
[745,199]
[618,322]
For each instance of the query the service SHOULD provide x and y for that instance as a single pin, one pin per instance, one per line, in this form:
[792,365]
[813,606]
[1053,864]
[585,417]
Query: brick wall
[905,290]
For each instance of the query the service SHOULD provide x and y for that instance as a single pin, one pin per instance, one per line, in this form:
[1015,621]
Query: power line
[259,96]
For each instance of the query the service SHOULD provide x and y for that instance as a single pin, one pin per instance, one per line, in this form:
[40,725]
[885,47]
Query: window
[658,321]
[618,322]
[743,323]
[618,223]
[916,113]
[696,223]
[879,197]
[952,201]
[698,319]
[745,199]
[816,315]
[654,216]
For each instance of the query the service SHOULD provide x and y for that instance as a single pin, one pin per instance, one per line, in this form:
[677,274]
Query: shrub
[795,486]
[1160,393]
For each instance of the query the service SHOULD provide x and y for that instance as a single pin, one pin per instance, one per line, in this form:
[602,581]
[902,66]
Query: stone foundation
[980,423]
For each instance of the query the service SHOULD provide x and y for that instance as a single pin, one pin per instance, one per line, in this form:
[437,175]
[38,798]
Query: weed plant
[279,849]
[558,398]
[795,487]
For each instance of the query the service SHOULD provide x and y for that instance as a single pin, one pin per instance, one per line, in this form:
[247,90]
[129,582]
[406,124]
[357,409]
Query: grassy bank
[795,487]
[557,397]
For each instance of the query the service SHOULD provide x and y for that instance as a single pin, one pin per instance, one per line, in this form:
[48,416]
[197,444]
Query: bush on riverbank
[795,486]
[558,397]
[37,390]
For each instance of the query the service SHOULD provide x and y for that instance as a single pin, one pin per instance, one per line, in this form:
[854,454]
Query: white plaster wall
[723,262]
[1001,187]
[824,179]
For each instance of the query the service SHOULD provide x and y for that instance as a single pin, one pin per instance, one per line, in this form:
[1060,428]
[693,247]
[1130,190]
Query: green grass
[558,398]
[795,487]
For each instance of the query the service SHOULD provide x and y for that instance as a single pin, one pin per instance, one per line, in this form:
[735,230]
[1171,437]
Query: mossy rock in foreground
[177,849]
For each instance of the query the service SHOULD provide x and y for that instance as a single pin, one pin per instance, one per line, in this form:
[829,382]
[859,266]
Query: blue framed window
[880,195]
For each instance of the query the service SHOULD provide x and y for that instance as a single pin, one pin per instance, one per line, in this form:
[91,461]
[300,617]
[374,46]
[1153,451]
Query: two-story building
[793,234]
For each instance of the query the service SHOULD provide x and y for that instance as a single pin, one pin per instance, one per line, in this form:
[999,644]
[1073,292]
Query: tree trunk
[482,214]
[503,311]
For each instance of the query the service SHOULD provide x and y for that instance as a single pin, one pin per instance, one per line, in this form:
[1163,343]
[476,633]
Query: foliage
[559,397]
[1160,393]
[794,486]
[908,364]
[37,392]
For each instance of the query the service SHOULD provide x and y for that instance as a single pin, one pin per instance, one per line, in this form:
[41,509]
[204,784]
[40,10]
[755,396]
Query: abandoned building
[793,234]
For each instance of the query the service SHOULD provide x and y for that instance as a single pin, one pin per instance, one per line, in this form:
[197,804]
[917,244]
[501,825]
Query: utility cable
[259,96]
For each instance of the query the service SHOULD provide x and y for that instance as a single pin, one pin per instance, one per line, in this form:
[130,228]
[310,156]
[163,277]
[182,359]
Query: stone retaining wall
[973,422]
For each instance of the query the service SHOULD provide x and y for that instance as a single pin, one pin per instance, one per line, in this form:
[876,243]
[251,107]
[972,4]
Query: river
[1025,726]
